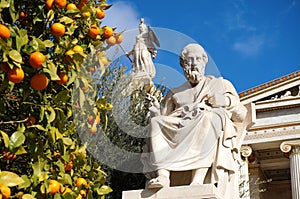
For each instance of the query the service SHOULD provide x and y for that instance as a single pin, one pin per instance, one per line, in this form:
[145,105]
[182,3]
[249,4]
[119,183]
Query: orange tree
[43,45]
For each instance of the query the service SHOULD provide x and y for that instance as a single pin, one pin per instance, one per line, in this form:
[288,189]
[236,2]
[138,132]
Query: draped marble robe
[191,134]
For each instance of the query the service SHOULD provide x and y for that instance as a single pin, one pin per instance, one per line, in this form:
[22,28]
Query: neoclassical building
[271,144]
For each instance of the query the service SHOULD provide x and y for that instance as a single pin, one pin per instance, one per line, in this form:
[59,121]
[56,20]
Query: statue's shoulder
[180,88]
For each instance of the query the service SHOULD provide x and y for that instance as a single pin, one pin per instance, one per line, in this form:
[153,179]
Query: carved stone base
[206,191]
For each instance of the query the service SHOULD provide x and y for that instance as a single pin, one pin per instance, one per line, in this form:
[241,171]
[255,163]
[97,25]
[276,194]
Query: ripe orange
[8,155]
[83,193]
[81,182]
[100,13]
[4,32]
[94,31]
[108,32]
[84,84]
[4,66]
[119,38]
[54,187]
[15,75]
[5,191]
[78,49]
[58,29]
[31,120]
[98,119]
[92,130]
[39,82]
[80,6]
[49,4]
[36,59]
[92,70]
[63,78]
[60,3]
[65,190]
[71,6]
[90,119]
[69,166]
[22,15]
[111,41]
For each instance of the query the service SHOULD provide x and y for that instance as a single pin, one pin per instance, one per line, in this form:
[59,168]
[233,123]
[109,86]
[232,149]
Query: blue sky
[250,42]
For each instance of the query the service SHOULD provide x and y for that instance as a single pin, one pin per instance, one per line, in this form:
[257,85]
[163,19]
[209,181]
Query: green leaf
[26,182]
[40,127]
[81,98]
[38,167]
[67,141]
[66,20]
[52,71]
[16,140]
[10,179]
[21,150]
[15,56]
[5,138]
[28,196]
[52,114]
[13,14]
[48,43]
[103,190]
[66,179]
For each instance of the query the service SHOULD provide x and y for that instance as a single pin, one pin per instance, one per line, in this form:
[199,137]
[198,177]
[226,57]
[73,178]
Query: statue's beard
[193,76]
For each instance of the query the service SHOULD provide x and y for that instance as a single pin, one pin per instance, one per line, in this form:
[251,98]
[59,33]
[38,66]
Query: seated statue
[195,128]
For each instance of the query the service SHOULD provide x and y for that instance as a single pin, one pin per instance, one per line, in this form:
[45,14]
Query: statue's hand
[217,100]
[154,105]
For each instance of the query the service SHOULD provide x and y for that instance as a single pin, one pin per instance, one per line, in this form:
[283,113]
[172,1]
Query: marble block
[206,191]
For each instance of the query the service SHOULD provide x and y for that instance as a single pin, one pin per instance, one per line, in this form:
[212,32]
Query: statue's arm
[237,109]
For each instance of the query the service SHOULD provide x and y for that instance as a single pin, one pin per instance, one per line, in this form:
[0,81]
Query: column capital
[289,146]
[246,151]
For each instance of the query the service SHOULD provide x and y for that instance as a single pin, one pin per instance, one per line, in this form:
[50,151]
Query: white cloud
[250,46]
[121,15]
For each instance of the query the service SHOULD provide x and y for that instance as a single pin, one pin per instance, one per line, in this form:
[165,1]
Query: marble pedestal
[206,191]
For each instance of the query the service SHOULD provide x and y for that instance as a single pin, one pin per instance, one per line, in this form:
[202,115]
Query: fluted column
[244,172]
[293,148]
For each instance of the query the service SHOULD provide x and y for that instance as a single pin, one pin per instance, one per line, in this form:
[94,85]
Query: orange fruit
[8,155]
[39,82]
[81,182]
[94,31]
[92,70]
[78,49]
[5,191]
[63,78]
[4,66]
[60,3]
[69,166]
[92,130]
[111,41]
[49,4]
[36,59]
[54,187]
[4,32]
[22,15]
[84,84]
[58,29]
[80,6]
[83,193]
[71,6]
[119,38]
[15,75]
[31,120]
[98,119]
[100,13]
[108,32]
[90,119]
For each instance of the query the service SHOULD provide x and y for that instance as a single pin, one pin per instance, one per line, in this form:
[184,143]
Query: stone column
[244,173]
[293,148]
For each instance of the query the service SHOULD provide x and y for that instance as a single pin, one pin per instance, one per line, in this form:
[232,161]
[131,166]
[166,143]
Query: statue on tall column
[144,51]
[195,130]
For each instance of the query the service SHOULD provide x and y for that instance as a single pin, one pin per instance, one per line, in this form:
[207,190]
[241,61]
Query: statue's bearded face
[194,66]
